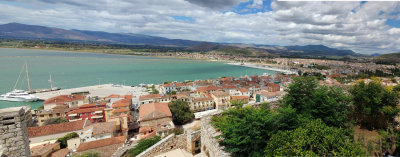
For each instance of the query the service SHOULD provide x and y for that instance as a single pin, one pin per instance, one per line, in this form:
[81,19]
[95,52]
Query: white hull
[17,99]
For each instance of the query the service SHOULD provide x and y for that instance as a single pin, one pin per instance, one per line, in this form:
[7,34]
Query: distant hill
[391,58]
[23,31]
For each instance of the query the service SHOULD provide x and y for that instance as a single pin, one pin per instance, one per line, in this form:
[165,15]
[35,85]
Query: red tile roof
[101,143]
[121,103]
[93,105]
[154,111]
[85,110]
[42,149]
[55,128]
[115,96]
[60,153]
[150,96]
[64,98]
[121,110]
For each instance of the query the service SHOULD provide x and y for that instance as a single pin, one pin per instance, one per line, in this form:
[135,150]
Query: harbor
[103,90]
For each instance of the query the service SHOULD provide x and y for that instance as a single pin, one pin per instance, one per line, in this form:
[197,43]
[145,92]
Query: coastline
[265,67]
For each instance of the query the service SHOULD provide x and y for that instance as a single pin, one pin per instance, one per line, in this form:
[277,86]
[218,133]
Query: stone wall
[167,144]
[13,132]
[209,145]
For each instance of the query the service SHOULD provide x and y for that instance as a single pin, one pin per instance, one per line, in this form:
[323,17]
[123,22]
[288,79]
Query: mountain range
[23,31]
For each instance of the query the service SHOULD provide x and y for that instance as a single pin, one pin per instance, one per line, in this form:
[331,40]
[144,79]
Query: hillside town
[79,123]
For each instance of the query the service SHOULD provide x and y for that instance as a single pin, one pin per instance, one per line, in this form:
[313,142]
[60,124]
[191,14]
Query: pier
[97,90]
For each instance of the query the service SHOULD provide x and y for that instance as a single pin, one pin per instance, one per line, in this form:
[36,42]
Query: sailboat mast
[27,77]
[51,83]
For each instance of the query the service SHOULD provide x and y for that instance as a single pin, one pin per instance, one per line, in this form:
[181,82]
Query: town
[112,122]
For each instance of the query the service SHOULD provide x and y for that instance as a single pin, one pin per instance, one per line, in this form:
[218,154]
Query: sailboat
[20,95]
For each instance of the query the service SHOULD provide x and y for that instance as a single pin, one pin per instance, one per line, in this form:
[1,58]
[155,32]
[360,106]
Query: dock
[97,90]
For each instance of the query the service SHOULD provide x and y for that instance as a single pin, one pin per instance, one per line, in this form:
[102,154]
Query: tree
[313,139]
[55,120]
[143,145]
[181,113]
[374,106]
[88,154]
[318,102]
[41,107]
[246,131]
[63,140]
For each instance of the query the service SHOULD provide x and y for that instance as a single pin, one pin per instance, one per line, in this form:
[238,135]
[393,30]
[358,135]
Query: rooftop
[101,143]
[154,111]
[64,98]
[55,128]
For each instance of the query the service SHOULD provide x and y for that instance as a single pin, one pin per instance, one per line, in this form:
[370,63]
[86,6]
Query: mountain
[390,58]
[271,50]
[23,31]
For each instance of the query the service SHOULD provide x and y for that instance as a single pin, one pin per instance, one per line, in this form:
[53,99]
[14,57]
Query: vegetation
[143,145]
[63,140]
[246,131]
[154,90]
[318,102]
[313,139]
[55,120]
[374,106]
[181,113]
[41,107]
[312,120]
[88,154]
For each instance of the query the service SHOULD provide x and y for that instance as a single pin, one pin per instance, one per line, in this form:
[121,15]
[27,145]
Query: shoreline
[265,67]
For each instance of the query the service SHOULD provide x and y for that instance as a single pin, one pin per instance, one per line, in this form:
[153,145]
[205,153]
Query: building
[273,87]
[221,99]
[264,96]
[56,112]
[153,98]
[98,131]
[44,134]
[118,108]
[155,117]
[70,101]
[106,147]
[94,115]
[202,104]
[45,150]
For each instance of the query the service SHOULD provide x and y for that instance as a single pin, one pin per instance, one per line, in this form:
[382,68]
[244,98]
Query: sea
[77,69]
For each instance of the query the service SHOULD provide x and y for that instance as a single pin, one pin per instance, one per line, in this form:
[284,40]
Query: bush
[63,140]
[55,120]
[143,145]
[181,113]
[313,139]
[88,154]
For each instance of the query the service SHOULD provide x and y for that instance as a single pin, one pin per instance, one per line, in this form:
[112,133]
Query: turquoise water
[75,69]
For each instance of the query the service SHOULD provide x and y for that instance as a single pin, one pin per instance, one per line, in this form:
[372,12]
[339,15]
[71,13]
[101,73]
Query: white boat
[20,95]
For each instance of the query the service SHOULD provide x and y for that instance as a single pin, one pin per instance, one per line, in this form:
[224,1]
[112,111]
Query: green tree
[63,140]
[313,139]
[41,107]
[55,120]
[374,106]
[88,154]
[245,131]
[181,113]
[318,102]
[143,145]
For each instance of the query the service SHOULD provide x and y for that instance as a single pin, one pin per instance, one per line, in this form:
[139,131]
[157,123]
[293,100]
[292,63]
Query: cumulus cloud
[351,25]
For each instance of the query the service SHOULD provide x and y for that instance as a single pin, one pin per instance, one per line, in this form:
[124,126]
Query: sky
[364,27]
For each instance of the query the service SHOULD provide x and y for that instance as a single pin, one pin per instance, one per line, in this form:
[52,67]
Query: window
[41,115]
[58,114]
[50,115]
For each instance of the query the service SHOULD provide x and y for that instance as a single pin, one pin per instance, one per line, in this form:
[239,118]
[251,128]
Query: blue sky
[365,27]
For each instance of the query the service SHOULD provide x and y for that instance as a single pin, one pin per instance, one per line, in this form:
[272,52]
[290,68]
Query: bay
[76,69]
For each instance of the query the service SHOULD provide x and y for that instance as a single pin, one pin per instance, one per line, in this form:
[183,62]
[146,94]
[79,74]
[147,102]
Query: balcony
[72,120]
[97,116]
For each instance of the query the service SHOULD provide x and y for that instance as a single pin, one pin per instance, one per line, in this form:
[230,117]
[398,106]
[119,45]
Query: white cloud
[351,25]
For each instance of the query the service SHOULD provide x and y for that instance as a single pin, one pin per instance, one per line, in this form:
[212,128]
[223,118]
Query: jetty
[97,90]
